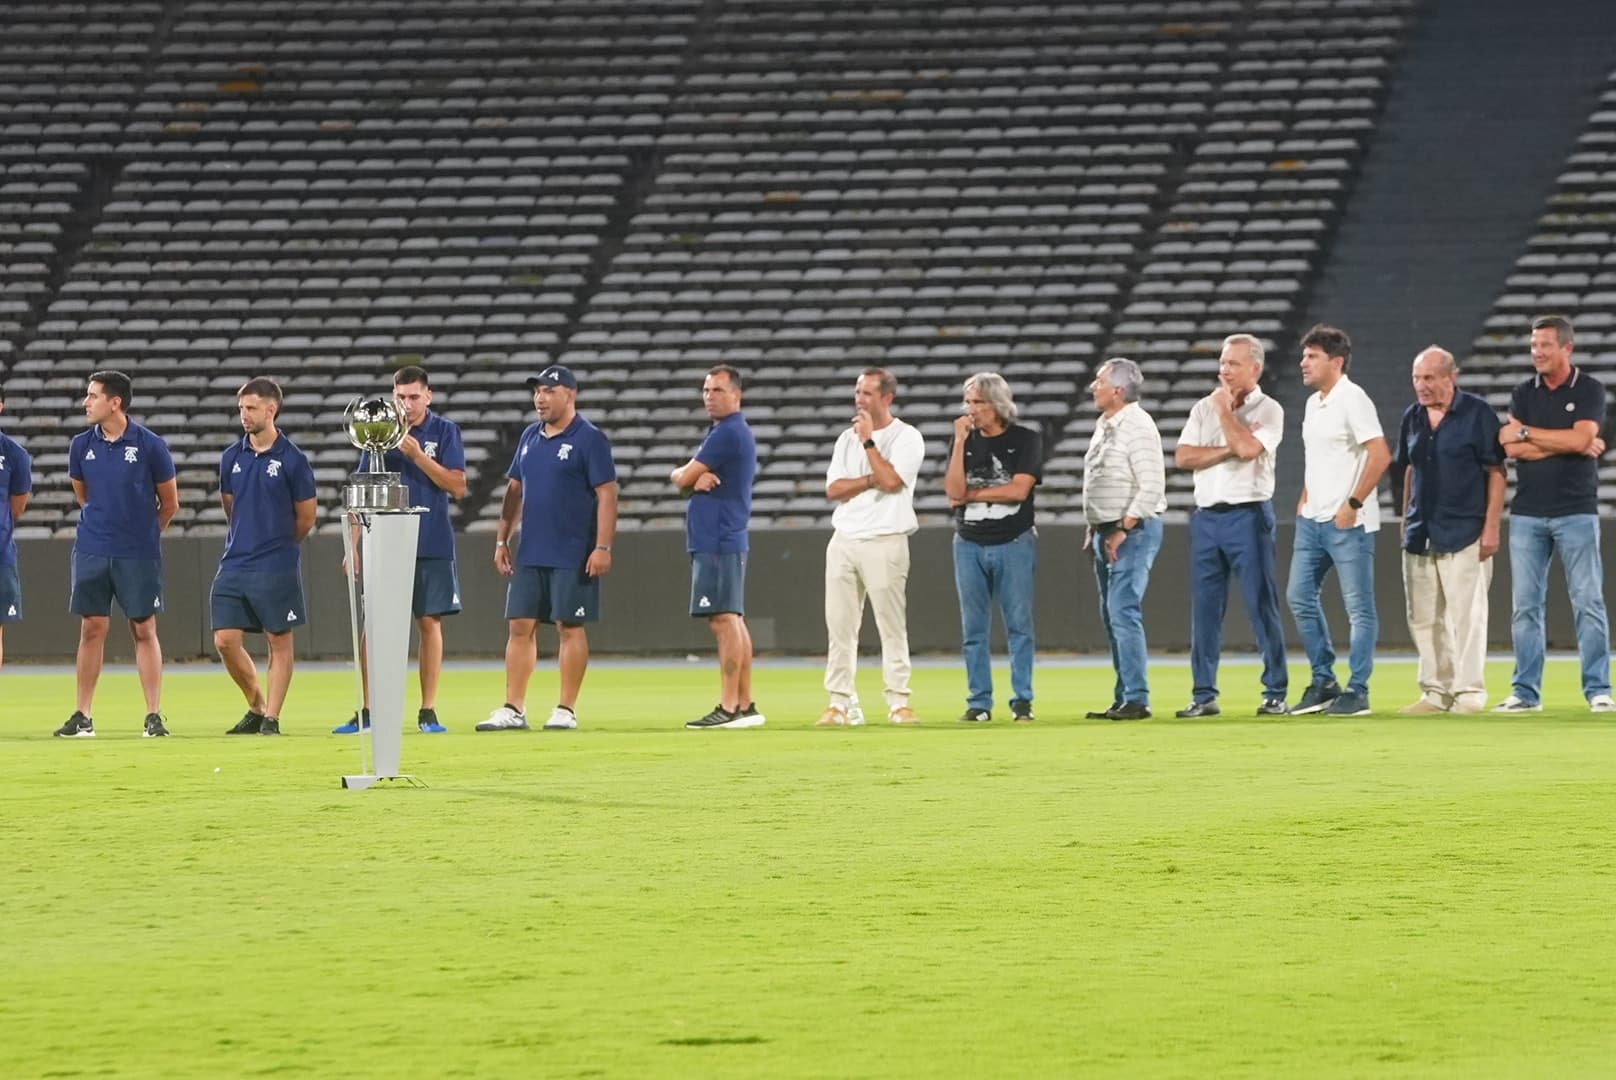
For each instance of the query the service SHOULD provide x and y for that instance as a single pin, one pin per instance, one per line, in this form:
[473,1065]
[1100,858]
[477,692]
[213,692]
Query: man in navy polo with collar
[16,483]
[718,482]
[267,488]
[123,478]
[432,462]
[1552,435]
[562,487]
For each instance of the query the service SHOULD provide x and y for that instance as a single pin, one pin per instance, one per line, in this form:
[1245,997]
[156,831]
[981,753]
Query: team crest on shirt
[564,451]
[130,453]
[89,455]
[274,468]
[235,468]
[430,450]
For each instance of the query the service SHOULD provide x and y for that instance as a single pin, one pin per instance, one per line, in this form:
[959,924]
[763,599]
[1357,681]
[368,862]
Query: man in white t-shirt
[1336,519]
[1229,442]
[871,478]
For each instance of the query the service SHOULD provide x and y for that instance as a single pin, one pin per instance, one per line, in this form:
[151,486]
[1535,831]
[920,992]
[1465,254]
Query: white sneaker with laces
[561,719]
[855,712]
[1515,704]
[504,718]
[1602,703]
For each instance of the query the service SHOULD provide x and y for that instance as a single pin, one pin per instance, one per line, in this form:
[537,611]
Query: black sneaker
[1196,709]
[427,721]
[975,716]
[1350,703]
[1021,711]
[1131,710]
[154,726]
[720,717]
[270,725]
[78,726]
[1273,706]
[1318,697]
[248,724]
[1102,714]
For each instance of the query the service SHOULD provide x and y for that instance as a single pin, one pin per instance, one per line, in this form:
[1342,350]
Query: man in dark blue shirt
[718,482]
[1553,436]
[16,483]
[267,488]
[123,478]
[1453,496]
[562,486]
[432,462]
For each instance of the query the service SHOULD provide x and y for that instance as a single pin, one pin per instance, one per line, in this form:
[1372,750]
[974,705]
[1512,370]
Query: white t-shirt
[875,512]
[1333,434]
[1233,480]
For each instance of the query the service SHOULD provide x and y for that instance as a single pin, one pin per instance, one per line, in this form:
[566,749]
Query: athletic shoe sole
[76,735]
[1356,712]
[1320,707]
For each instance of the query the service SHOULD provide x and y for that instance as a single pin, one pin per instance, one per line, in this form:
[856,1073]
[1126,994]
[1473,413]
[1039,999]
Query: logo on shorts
[704,602]
[430,450]
[130,453]
[89,455]
[290,615]
[563,451]
[274,468]
[456,599]
[12,610]
[580,612]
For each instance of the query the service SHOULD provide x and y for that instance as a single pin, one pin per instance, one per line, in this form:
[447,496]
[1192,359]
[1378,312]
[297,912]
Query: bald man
[1453,494]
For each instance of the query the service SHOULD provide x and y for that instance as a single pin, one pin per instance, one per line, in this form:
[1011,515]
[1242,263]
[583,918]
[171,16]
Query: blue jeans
[1235,543]
[984,573]
[1532,541]
[1319,546]
[1122,587]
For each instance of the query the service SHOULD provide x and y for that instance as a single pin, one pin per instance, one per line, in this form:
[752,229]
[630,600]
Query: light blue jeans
[1532,542]
[1122,588]
[983,574]
[1319,546]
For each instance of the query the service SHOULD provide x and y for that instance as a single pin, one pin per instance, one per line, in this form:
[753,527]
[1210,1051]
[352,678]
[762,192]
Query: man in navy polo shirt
[267,488]
[123,478]
[16,482]
[562,486]
[1553,436]
[718,482]
[432,462]
[1453,495]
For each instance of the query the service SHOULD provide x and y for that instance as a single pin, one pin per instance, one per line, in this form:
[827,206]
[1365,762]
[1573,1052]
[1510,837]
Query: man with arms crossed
[1553,436]
[871,478]
[1336,520]
[267,488]
[1453,494]
[562,487]
[123,477]
[1230,442]
[432,462]
[16,483]
[718,482]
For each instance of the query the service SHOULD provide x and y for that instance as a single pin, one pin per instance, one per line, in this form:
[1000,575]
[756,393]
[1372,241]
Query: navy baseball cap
[554,375]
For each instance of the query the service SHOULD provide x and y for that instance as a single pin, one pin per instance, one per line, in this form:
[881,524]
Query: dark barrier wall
[647,596]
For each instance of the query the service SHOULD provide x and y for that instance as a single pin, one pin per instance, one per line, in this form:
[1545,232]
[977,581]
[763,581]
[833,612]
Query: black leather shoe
[1130,710]
[1101,714]
[1199,708]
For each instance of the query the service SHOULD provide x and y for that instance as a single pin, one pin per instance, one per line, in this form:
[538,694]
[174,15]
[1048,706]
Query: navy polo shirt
[1565,483]
[16,478]
[120,477]
[559,475]
[264,488]
[716,520]
[1448,500]
[440,440]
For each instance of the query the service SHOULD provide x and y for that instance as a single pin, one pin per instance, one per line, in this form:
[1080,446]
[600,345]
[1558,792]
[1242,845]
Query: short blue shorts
[437,588]
[717,583]
[10,595]
[552,594]
[137,585]
[263,602]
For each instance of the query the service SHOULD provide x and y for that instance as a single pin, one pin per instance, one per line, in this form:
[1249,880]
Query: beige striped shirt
[1124,474]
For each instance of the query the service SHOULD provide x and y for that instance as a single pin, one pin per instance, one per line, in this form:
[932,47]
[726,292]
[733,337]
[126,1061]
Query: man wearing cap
[563,489]
[718,483]
[432,462]
[16,483]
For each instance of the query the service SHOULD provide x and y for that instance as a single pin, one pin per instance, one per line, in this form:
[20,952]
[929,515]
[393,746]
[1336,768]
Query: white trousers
[878,570]
[1447,617]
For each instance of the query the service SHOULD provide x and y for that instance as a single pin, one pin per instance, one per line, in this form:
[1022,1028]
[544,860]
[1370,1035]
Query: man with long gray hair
[992,470]
[1124,494]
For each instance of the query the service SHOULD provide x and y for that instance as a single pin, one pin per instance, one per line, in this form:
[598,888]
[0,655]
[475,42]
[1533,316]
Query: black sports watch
[1356,504]
[869,444]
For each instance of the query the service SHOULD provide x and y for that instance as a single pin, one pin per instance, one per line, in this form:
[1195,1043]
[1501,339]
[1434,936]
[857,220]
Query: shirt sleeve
[21,481]
[907,454]
[1517,398]
[599,468]
[1400,459]
[452,451]
[1488,450]
[515,471]
[75,459]
[1194,433]
[835,470]
[719,449]
[1362,419]
[301,478]
[224,473]
[1149,472]
[1032,455]
[160,461]
[1270,431]
[1590,404]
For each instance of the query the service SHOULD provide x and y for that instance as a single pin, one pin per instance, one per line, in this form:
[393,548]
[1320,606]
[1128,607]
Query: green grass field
[1385,895]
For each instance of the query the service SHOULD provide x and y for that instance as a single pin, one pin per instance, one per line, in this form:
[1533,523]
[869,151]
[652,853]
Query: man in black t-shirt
[1553,436]
[992,470]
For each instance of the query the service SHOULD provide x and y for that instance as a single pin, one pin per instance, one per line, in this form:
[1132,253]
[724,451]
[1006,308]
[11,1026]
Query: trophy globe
[375,425]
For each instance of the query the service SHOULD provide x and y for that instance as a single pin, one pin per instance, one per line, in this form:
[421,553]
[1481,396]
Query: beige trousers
[1447,616]
[877,569]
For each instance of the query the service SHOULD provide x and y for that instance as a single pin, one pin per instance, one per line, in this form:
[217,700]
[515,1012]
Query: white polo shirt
[1333,433]
[875,512]
[1233,480]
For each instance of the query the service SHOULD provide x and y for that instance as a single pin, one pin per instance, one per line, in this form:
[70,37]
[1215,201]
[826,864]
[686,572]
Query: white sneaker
[504,718]
[1602,703]
[561,719]
[1515,704]
[855,712]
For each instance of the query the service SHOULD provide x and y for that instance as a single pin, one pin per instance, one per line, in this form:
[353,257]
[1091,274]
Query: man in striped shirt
[1124,494]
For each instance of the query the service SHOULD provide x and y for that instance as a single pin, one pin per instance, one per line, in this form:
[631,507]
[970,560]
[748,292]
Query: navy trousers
[1237,543]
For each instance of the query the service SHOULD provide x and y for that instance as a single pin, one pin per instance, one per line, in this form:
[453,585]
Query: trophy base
[372,491]
[365,780]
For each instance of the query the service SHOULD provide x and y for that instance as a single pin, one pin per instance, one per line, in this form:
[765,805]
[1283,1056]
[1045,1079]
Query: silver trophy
[375,425]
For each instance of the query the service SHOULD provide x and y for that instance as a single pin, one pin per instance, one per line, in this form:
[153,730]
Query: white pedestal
[381,601]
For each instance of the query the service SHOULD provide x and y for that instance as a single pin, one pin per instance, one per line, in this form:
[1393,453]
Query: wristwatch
[1355,503]
[607,548]
[869,444]
[1523,434]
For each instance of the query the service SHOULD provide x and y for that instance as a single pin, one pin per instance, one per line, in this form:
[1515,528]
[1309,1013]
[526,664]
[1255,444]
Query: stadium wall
[647,596]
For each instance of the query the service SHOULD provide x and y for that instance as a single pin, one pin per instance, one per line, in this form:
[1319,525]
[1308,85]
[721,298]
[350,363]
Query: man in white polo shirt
[1230,442]
[871,478]
[1336,520]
